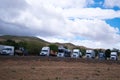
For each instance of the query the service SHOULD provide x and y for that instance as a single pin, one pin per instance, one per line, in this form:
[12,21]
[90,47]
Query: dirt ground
[44,68]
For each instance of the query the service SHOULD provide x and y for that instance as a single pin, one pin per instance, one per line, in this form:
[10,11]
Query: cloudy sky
[90,23]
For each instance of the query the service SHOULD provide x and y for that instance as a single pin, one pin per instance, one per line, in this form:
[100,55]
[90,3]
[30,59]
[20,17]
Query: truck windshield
[76,52]
[88,53]
[45,50]
[7,49]
[113,55]
[61,50]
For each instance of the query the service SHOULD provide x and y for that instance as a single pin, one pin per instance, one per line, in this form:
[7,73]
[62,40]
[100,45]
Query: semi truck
[61,51]
[101,56]
[6,50]
[67,53]
[45,51]
[113,56]
[76,53]
[90,54]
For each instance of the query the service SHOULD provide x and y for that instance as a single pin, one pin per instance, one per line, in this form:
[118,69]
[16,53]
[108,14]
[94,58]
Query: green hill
[33,44]
[22,38]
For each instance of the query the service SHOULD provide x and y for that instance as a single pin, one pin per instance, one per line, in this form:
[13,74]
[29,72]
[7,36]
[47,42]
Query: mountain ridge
[32,38]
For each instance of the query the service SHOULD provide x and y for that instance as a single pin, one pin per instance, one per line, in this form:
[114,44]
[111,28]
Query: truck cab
[7,50]
[101,56]
[113,56]
[67,53]
[61,51]
[90,54]
[45,51]
[76,53]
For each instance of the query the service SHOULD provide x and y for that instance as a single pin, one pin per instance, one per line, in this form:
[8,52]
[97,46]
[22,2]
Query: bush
[107,53]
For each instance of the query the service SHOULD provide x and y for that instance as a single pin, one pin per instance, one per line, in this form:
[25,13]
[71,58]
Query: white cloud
[50,20]
[11,9]
[96,44]
[53,39]
[91,13]
[62,3]
[95,30]
[111,3]
[96,34]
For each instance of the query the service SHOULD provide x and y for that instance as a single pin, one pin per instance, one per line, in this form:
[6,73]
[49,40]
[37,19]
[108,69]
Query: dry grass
[13,69]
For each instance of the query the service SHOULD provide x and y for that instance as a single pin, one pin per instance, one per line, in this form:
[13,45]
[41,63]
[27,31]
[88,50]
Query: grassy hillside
[35,40]
[22,38]
[33,44]
[68,45]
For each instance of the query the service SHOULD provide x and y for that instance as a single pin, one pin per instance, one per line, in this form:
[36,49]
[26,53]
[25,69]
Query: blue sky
[89,23]
[115,22]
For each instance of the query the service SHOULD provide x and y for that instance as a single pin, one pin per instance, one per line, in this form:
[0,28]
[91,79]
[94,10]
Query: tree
[96,52]
[34,48]
[53,47]
[10,42]
[83,51]
[22,44]
[107,53]
[119,53]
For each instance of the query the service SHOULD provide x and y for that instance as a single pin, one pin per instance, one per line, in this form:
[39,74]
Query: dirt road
[52,68]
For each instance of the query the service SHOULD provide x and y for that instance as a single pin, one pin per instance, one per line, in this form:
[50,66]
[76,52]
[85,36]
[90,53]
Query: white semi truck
[90,54]
[6,50]
[76,53]
[113,56]
[61,51]
[45,51]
